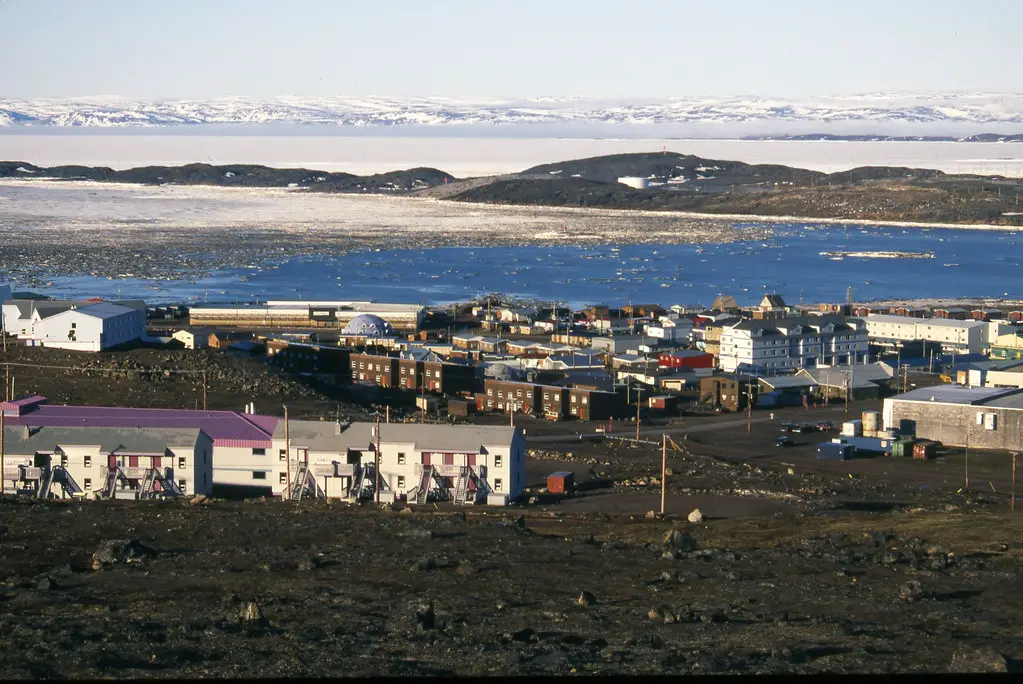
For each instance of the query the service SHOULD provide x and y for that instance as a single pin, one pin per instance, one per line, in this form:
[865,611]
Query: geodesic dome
[368,325]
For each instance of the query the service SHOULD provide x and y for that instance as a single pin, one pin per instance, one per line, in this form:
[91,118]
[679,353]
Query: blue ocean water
[966,263]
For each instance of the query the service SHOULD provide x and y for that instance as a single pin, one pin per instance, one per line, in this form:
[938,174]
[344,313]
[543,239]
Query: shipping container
[852,428]
[902,448]
[835,451]
[925,450]
[560,483]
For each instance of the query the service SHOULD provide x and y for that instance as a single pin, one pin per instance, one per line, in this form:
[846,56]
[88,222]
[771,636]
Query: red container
[560,483]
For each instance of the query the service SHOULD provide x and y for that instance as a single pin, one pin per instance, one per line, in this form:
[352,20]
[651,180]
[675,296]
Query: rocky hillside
[236,175]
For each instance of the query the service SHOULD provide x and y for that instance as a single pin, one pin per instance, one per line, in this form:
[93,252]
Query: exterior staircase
[299,484]
[45,481]
[425,482]
[147,483]
[110,484]
[461,485]
[62,477]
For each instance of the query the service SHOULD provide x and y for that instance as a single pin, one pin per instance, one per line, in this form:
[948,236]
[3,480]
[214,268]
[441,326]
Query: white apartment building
[674,330]
[90,462]
[467,464]
[782,345]
[961,337]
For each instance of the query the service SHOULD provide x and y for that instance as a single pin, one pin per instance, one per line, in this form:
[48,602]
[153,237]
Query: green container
[902,448]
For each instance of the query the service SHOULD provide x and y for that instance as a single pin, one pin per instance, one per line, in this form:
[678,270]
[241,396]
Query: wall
[235,466]
[952,424]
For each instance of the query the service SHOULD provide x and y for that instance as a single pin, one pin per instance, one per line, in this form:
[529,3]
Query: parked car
[784,442]
[787,426]
[825,425]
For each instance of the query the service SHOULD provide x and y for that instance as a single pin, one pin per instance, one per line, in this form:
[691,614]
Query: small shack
[561,482]
[835,451]
[925,449]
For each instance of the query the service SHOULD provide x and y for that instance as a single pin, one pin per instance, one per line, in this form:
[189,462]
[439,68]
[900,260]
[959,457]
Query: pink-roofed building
[242,451]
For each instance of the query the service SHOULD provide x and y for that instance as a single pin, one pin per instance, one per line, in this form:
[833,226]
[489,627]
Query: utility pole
[664,466]
[1012,501]
[287,449]
[3,475]
[639,393]
[376,466]
[967,457]
[204,390]
[7,383]
[387,413]
[749,404]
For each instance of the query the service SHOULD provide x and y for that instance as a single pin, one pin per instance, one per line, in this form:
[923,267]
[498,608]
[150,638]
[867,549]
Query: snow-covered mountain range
[880,108]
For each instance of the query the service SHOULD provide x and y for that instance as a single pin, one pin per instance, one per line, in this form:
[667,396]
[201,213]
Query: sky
[506,48]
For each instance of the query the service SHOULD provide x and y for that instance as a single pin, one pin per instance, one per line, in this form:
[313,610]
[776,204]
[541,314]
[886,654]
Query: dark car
[788,426]
[825,425]
[783,442]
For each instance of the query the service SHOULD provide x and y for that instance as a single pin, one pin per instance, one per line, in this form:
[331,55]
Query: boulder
[911,591]
[585,598]
[696,517]
[679,540]
[120,551]
[979,659]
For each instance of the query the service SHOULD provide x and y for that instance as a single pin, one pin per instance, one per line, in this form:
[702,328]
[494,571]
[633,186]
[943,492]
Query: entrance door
[41,461]
[157,461]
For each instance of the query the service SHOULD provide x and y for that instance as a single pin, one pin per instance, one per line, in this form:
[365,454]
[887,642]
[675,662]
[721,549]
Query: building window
[529,395]
[401,482]
[584,400]
[88,461]
[401,458]
[258,475]
[573,398]
[183,484]
[498,485]
[87,483]
[498,460]
[283,479]
[283,453]
[181,463]
[259,452]
[490,392]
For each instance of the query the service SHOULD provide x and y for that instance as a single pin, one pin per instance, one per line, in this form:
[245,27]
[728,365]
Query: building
[787,344]
[978,417]
[467,464]
[102,462]
[987,314]
[908,311]
[379,370]
[591,404]
[725,304]
[679,330]
[307,314]
[958,336]
[92,327]
[685,358]
[771,306]
[728,392]
[325,362]
[1008,346]
[193,338]
[238,440]
[866,381]
[953,313]
[618,344]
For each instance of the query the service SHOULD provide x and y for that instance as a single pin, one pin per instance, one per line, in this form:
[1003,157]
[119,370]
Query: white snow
[22,169]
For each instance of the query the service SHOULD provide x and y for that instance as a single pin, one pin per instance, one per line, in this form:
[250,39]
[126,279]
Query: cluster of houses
[102,452]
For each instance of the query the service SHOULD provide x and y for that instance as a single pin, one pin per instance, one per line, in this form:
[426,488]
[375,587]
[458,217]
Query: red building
[685,358]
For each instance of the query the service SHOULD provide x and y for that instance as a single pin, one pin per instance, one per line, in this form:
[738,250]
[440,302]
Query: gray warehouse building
[983,417]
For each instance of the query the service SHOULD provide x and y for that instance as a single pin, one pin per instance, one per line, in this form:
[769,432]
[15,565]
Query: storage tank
[871,423]
[852,428]
[635,182]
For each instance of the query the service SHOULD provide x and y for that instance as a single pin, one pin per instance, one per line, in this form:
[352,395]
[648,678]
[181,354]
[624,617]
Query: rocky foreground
[209,588]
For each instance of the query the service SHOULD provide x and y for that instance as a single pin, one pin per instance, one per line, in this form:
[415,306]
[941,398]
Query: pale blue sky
[157,49]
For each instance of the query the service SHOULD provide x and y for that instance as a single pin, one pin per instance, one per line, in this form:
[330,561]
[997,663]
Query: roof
[103,310]
[724,302]
[955,394]
[861,375]
[788,381]
[124,440]
[773,300]
[225,428]
[323,436]
[909,320]
[781,326]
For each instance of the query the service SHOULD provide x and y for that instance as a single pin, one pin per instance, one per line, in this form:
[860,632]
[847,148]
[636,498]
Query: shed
[461,407]
[561,482]
[925,449]
[833,451]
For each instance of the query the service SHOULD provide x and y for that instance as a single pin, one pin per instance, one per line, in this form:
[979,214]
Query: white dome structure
[368,325]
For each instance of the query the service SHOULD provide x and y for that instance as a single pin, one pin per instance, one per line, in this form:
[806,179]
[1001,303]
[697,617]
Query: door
[157,461]
[133,461]
[471,460]
[112,461]
[449,459]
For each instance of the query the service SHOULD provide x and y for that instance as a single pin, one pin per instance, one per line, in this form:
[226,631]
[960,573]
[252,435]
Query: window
[573,398]
[183,484]
[259,452]
[283,478]
[403,370]
[401,458]
[181,462]
[498,459]
[87,483]
[584,400]
[529,395]
[283,453]
[88,461]
[401,482]
[498,485]
[74,325]
[258,475]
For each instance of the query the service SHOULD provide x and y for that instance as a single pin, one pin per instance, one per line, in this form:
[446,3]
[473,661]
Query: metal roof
[938,322]
[225,428]
[955,394]
[23,440]
[103,310]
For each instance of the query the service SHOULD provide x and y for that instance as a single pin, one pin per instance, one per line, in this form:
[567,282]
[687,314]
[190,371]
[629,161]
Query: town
[447,373]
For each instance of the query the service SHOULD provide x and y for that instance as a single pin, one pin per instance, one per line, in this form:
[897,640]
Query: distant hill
[237,175]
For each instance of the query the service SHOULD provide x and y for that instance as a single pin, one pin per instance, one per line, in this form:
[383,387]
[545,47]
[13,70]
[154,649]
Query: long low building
[306,314]
[960,337]
[198,449]
[981,417]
